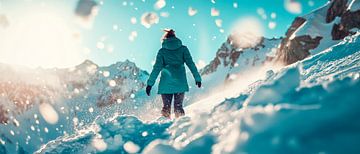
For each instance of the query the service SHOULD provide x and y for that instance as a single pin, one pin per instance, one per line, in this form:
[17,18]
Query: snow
[164,14]
[314,26]
[192,11]
[131,147]
[159,4]
[133,20]
[235,5]
[353,5]
[260,117]
[273,15]
[48,113]
[149,18]
[214,12]
[307,107]
[106,73]
[293,6]
[272,25]
[99,144]
[218,22]
[133,36]
[250,122]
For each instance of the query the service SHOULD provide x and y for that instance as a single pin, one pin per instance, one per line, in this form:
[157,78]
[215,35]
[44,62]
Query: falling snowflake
[86,11]
[76,90]
[293,6]
[118,100]
[133,35]
[235,5]
[218,22]
[115,27]
[100,45]
[132,96]
[133,20]
[75,121]
[46,130]
[165,14]
[32,128]
[149,18]
[99,144]
[272,25]
[159,4]
[215,12]
[12,132]
[145,133]
[16,123]
[273,15]
[200,64]
[91,109]
[112,83]
[192,11]
[106,73]
[261,12]
[110,48]
[131,147]
[48,113]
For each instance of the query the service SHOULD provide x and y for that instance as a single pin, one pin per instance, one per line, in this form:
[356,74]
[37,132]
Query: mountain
[249,103]
[39,102]
[231,56]
[318,30]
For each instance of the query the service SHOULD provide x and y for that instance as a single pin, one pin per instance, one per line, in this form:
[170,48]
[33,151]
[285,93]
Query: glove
[198,84]
[148,89]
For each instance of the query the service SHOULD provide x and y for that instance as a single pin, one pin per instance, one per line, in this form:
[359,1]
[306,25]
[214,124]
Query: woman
[170,61]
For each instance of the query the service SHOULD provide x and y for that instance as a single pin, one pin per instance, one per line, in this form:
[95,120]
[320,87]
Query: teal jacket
[170,62]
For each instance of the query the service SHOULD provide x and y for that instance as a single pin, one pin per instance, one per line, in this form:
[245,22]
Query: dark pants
[178,100]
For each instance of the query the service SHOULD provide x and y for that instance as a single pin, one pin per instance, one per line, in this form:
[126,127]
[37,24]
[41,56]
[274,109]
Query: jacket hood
[172,43]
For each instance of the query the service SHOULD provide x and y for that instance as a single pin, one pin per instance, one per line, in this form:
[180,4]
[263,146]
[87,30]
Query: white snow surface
[307,107]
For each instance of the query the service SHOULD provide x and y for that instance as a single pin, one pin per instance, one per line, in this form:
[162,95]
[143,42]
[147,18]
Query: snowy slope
[232,69]
[314,97]
[308,107]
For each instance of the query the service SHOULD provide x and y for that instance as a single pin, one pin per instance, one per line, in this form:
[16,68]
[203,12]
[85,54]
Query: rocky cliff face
[230,55]
[349,19]
[294,48]
[335,20]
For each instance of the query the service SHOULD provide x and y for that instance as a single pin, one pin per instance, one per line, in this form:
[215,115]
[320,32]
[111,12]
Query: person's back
[173,83]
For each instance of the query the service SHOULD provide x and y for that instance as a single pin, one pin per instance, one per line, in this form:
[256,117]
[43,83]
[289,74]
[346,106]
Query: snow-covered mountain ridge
[73,96]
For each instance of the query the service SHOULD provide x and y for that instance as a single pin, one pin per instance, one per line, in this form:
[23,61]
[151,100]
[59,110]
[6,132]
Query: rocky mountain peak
[324,26]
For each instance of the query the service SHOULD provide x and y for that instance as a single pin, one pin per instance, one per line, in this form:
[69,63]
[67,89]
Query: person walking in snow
[173,83]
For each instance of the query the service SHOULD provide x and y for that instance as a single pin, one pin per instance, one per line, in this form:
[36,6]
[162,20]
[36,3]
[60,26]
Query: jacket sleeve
[190,63]
[158,66]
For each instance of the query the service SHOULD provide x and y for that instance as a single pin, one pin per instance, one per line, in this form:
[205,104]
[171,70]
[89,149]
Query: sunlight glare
[40,39]
[247,32]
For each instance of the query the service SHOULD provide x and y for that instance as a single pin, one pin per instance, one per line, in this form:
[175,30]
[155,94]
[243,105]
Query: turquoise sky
[198,32]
